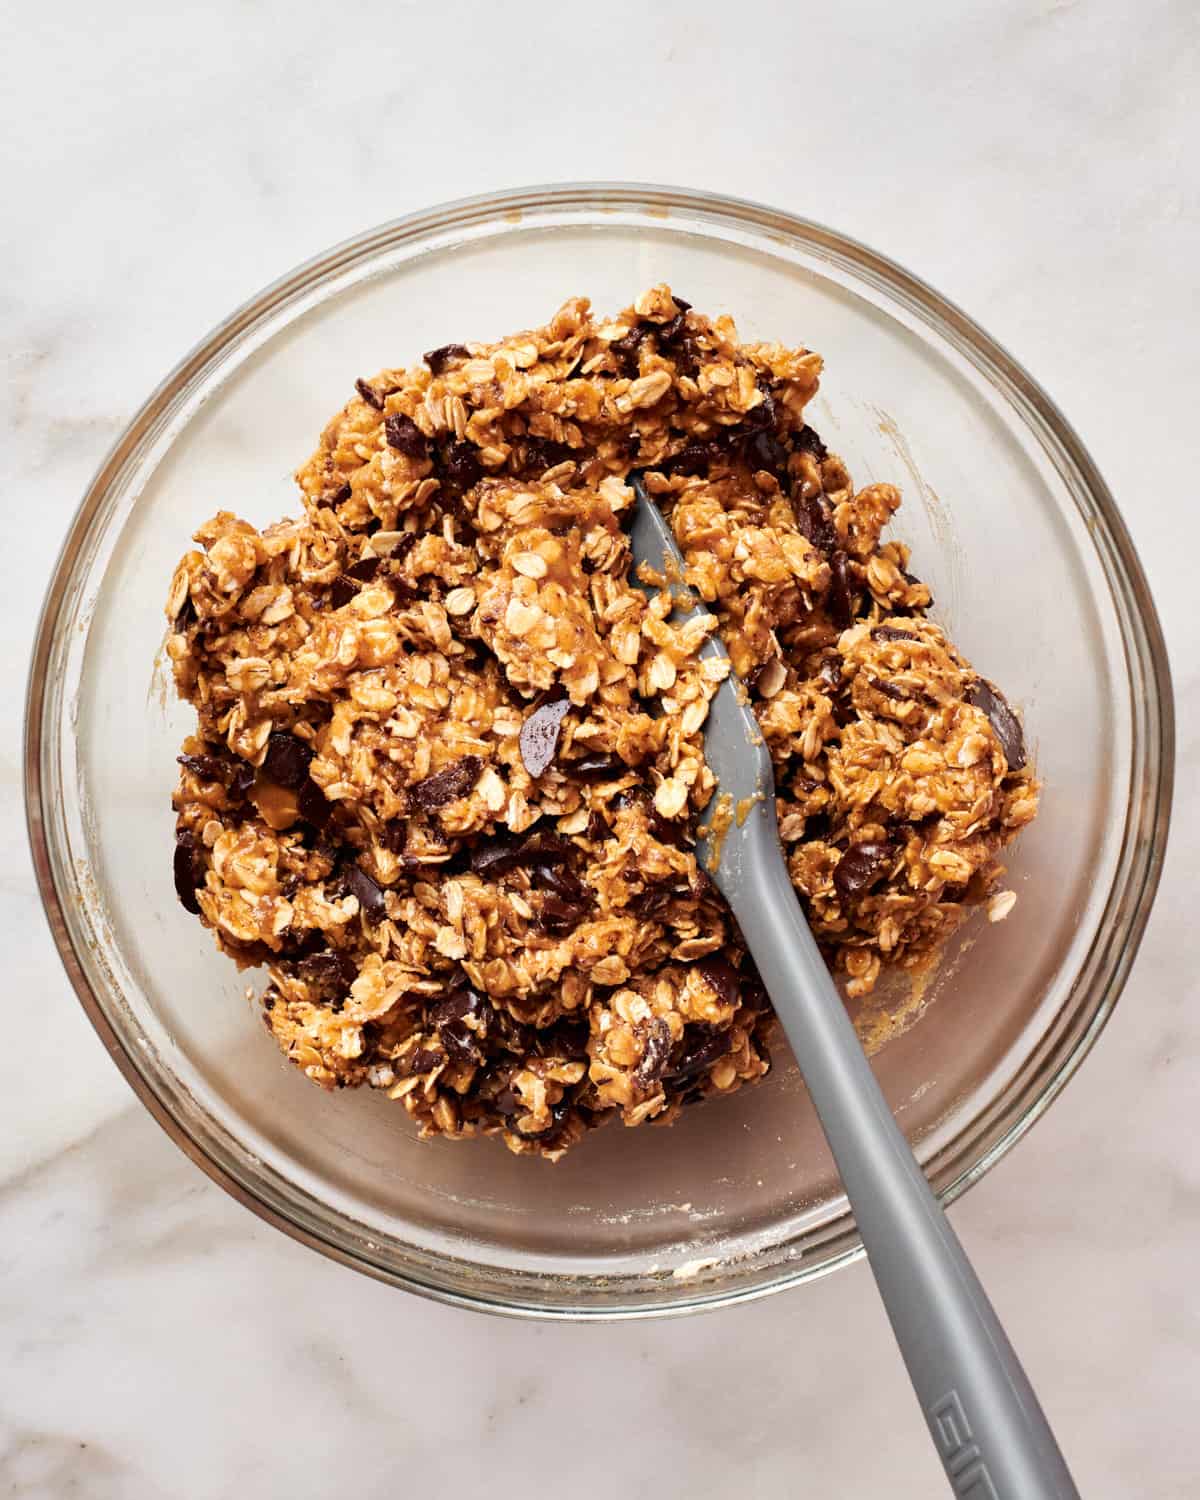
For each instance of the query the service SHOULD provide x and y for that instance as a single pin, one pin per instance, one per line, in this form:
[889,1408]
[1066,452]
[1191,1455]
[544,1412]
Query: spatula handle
[986,1423]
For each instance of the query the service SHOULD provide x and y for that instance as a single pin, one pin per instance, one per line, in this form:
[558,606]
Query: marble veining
[1035,161]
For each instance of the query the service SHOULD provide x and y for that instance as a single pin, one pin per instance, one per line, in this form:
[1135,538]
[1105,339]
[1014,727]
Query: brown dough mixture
[449,759]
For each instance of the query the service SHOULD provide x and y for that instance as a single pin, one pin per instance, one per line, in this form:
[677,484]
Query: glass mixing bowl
[1032,572]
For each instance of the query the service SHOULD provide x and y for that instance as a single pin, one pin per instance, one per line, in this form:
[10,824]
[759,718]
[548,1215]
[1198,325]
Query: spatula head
[741,815]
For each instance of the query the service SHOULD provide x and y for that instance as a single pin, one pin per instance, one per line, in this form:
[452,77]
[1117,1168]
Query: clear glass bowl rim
[1106,966]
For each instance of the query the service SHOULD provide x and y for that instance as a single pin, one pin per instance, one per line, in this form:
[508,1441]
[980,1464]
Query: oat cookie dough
[448,763]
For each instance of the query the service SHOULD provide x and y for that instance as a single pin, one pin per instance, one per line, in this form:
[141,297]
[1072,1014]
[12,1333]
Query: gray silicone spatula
[987,1426]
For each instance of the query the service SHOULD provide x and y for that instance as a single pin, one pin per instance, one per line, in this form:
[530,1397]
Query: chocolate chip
[459,468]
[595,768]
[566,1038]
[207,767]
[188,870]
[456,1005]
[561,880]
[654,1055]
[540,732]
[650,904]
[500,855]
[405,436]
[559,916]
[694,458]
[287,760]
[449,1017]
[419,1060]
[753,993]
[186,614]
[722,977]
[677,340]
[859,869]
[889,690]
[807,441]
[347,584]
[439,359]
[540,454]
[666,830]
[698,1051]
[343,493]
[370,896]
[242,780]
[313,807]
[892,633]
[815,522]
[546,848]
[369,394]
[986,696]
[670,331]
[454,781]
[625,350]
[763,450]
[328,971]
[841,603]
[236,775]
[496,857]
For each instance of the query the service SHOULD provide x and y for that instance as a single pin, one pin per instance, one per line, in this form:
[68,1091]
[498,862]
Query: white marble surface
[1035,161]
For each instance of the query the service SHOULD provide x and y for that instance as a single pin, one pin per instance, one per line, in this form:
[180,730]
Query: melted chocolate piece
[502,854]
[459,468]
[892,633]
[313,807]
[236,775]
[419,1060]
[723,978]
[405,437]
[815,522]
[595,768]
[558,916]
[449,1016]
[841,603]
[454,781]
[562,881]
[287,760]
[566,1038]
[697,1052]
[540,454]
[369,893]
[369,394]
[541,730]
[348,583]
[439,360]
[328,971]
[188,870]
[987,697]
[862,867]
[625,350]
[808,441]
